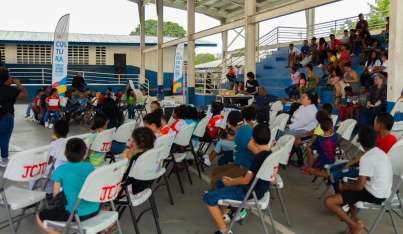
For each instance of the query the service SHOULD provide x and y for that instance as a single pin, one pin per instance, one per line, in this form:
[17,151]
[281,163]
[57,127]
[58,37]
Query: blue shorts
[221,192]
[224,145]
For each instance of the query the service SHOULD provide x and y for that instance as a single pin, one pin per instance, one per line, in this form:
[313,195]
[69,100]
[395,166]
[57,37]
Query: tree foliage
[171,29]
[204,58]
[379,11]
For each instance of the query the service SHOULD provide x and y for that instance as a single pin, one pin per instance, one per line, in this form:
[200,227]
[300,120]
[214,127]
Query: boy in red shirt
[382,125]
[53,108]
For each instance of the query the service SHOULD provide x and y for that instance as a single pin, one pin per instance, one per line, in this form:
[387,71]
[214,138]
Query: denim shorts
[221,192]
[224,145]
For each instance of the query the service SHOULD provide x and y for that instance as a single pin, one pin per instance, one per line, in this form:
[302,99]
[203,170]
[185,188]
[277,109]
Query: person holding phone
[8,97]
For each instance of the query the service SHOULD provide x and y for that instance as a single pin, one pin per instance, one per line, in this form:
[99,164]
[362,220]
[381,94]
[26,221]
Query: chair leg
[393,222]
[282,203]
[10,219]
[176,171]
[377,220]
[19,220]
[197,160]
[155,213]
[187,172]
[171,200]
[268,210]
[132,213]
[117,221]
[259,211]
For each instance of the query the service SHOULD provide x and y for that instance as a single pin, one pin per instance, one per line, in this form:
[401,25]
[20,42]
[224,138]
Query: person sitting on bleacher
[325,145]
[68,180]
[235,188]
[374,182]
[243,155]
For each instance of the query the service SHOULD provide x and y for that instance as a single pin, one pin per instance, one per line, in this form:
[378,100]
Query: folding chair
[394,204]
[345,131]
[334,119]
[120,139]
[146,168]
[184,139]
[398,129]
[25,166]
[267,172]
[165,142]
[199,133]
[275,108]
[103,142]
[279,123]
[102,186]
[283,146]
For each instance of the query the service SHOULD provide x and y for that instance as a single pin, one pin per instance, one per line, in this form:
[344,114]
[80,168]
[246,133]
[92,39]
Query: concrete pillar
[395,69]
[310,22]
[191,75]
[250,38]
[142,41]
[160,56]
[224,42]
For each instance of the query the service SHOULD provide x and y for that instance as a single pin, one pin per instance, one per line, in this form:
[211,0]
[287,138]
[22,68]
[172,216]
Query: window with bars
[2,54]
[100,55]
[34,54]
[78,55]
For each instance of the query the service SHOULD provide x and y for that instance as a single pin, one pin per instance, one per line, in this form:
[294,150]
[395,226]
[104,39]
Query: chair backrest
[148,166]
[171,120]
[81,136]
[124,132]
[280,121]
[148,105]
[201,127]
[184,135]
[103,141]
[334,119]
[165,142]
[104,184]
[397,108]
[269,169]
[277,106]
[28,165]
[284,145]
[63,101]
[346,128]
[396,157]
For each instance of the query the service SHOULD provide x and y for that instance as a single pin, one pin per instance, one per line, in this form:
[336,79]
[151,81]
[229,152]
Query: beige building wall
[11,53]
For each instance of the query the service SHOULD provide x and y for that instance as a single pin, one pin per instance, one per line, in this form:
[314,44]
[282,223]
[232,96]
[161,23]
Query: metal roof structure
[77,38]
[225,10]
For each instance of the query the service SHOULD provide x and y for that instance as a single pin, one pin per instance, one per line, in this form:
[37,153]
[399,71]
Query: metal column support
[142,41]
[310,22]
[250,38]
[395,69]
[224,42]
[191,75]
[160,56]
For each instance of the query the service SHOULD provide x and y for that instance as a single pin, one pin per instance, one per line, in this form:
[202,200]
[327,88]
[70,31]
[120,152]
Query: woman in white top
[304,118]
[370,68]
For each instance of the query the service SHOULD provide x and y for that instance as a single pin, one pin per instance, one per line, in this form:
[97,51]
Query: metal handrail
[287,34]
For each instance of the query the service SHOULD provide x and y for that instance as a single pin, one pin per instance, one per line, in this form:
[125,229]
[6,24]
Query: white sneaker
[51,125]
[3,162]
[206,161]
[46,124]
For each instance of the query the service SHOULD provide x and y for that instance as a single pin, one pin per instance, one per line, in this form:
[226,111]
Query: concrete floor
[189,216]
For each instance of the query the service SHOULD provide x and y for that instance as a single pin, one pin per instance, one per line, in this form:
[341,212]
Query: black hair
[328,107]
[348,89]
[61,128]
[309,65]
[144,138]
[302,76]
[332,35]
[326,124]
[249,113]
[180,111]
[156,103]
[367,137]
[321,115]
[191,113]
[345,30]
[261,134]
[294,68]
[109,89]
[99,121]
[38,91]
[312,97]
[75,150]
[291,44]
[4,75]
[347,64]
[53,90]
[234,118]
[153,118]
[129,91]
[216,108]
[250,75]
[386,120]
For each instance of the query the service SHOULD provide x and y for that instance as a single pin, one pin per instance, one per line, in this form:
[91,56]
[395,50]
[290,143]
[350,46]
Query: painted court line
[280,227]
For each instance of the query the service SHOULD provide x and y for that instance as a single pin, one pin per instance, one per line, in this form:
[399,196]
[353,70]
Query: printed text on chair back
[147,166]
[28,165]
[104,184]
[103,142]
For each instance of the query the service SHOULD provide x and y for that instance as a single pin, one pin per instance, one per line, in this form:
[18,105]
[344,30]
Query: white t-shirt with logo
[376,165]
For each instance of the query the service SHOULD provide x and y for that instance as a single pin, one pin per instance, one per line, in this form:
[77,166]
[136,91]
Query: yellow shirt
[318,131]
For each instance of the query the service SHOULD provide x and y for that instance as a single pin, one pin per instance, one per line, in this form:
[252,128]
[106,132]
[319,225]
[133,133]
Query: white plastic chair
[275,108]
[199,132]
[346,128]
[101,186]
[146,168]
[394,203]
[267,172]
[103,141]
[183,138]
[334,119]
[123,133]
[279,123]
[283,147]
[25,166]
[397,108]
